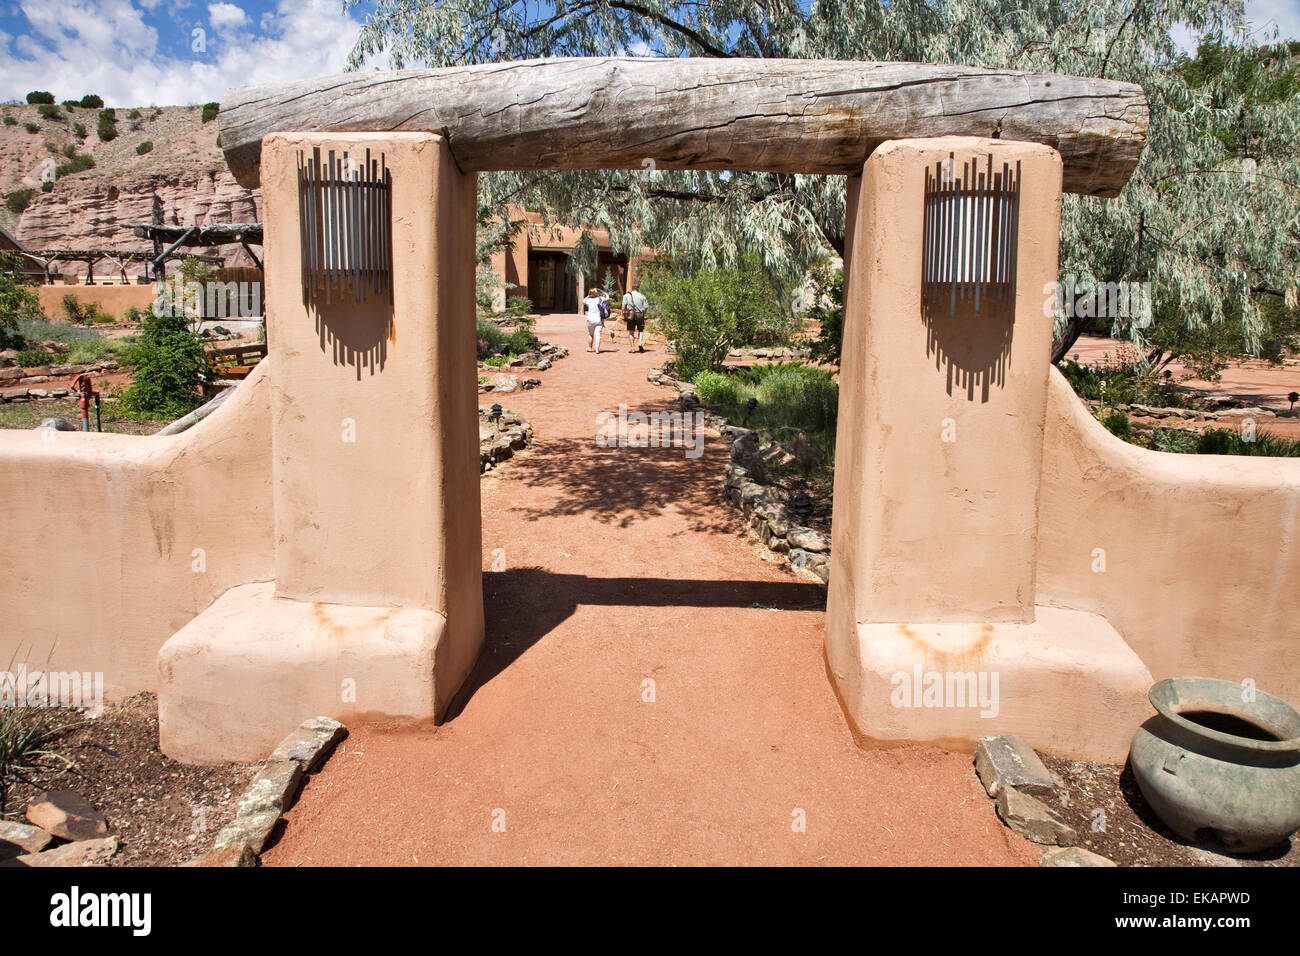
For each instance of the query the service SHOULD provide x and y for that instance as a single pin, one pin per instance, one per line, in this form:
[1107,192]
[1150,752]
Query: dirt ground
[162,812]
[651,691]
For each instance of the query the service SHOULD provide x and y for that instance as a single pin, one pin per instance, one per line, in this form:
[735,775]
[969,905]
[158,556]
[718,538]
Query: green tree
[171,367]
[18,300]
[40,96]
[1209,231]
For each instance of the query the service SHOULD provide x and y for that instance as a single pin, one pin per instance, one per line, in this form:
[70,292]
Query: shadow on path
[523,605]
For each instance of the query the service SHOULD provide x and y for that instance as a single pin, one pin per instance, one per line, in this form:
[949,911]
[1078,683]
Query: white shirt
[593,308]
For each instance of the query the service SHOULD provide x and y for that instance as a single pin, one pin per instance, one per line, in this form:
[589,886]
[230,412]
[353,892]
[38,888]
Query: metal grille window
[971,225]
[345,217]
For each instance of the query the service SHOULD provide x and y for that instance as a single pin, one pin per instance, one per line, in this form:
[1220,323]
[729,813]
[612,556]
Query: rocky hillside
[181,176]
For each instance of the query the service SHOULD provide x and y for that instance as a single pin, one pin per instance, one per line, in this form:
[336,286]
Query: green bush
[88,351]
[19,199]
[134,114]
[77,313]
[79,130]
[1175,440]
[1117,424]
[1118,381]
[519,306]
[40,96]
[500,361]
[210,111]
[144,147]
[1225,441]
[10,121]
[714,388]
[47,185]
[92,102]
[80,162]
[491,334]
[19,302]
[31,127]
[107,128]
[31,358]
[70,105]
[69,150]
[708,312]
[170,369]
[48,111]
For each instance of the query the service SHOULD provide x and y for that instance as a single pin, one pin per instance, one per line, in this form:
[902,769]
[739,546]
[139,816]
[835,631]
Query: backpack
[604,310]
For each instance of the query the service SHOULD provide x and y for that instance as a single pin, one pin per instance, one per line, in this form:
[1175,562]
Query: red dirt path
[624,565]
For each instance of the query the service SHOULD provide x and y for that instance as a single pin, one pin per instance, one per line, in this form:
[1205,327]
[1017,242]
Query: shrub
[77,313]
[19,199]
[107,128]
[519,306]
[499,361]
[48,111]
[1117,424]
[91,101]
[170,369]
[31,127]
[134,114]
[40,96]
[490,333]
[19,302]
[10,121]
[78,163]
[714,388]
[79,130]
[804,394]
[31,358]
[210,111]
[70,105]
[28,731]
[88,351]
[144,147]
[69,150]
[1175,440]
[1225,441]
[47,185]
[708,312]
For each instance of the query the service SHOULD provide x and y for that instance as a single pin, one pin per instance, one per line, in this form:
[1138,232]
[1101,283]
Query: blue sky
[147,52]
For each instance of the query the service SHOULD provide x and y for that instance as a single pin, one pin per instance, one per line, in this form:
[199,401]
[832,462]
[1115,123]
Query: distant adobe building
[538,265]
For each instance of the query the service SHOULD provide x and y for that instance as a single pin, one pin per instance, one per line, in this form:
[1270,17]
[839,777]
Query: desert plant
[1226,441]
[31,127]
[79,130]
[78,163]
[19,199]
[88,351]
[47,185]
[134,114]
[107,128]
[91,101]
[144,147]
[1118,424]
[31,358]
[69,150]
[519,306]
[490,333]
[210,111]
[10,121]
[77,313]
[714,388]
[48,111]
[40,96]
[171,368]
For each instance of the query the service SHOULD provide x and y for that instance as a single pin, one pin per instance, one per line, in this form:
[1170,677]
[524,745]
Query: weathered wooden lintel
[790,116]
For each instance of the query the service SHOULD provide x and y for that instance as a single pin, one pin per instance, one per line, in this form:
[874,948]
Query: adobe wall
[97,559]
[1201,553]
[114,299]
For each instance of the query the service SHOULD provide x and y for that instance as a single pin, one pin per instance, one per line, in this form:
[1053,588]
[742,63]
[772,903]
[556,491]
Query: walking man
[634,309]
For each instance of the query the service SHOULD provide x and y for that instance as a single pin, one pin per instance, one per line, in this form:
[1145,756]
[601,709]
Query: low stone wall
[745,486]
[500,437]
[22,384]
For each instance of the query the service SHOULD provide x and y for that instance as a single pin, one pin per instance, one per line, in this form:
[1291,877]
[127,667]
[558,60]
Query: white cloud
[224,16]
[105,47]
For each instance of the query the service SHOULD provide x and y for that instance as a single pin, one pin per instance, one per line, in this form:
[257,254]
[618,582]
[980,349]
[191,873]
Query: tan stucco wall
[114,299]
[1202,554]
[97,556]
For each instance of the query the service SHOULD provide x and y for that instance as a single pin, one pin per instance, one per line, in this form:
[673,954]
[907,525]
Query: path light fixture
[1293,397]
[801,503]
[495,413]
[749,408]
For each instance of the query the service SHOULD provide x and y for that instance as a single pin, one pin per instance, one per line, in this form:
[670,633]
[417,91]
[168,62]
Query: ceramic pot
[1220,762]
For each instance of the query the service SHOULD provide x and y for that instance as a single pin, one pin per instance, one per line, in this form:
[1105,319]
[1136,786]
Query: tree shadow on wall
[355,334]
[972,348]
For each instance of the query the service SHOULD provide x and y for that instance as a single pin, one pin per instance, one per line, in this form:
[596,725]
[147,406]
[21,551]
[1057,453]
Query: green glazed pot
[1215,766]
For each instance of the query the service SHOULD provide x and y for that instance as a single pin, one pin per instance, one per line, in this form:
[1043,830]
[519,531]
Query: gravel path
[621,567]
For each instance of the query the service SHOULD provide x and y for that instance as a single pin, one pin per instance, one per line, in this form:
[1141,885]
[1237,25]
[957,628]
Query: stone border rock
[802,548]
[783,354]
[513,434]
[272,792]
[547,354]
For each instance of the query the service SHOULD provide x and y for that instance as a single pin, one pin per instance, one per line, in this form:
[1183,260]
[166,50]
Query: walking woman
[595,321]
